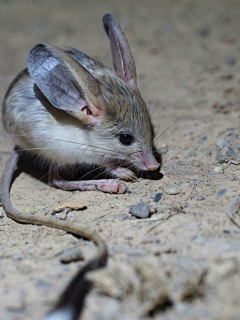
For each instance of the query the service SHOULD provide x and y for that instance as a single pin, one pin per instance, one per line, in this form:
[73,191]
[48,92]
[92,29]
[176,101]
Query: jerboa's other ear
[123,62]
[65,83]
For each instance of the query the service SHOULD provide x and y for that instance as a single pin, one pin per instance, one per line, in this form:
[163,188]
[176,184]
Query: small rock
[222,192]
[172,190]
[69,205]
[42,284]
[198,239]
[204,32]
[30,210]
[140,210]
[201,140]
[73,254]
[128,191]
[193,182]
[31,251]
[192,154]
[226,231]
[226,152]
[157,197]
[63,215]
[221,143]
[233,212]
[196,163]
[227,77]
[231,61]
[218,170]
[1,215]
[201,198]
[124,217]
[186,205]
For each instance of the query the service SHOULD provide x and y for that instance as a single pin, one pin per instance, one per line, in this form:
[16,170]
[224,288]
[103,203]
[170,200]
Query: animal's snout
[151,163]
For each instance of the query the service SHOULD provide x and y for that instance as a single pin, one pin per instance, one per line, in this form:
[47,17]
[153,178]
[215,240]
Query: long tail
[71,302]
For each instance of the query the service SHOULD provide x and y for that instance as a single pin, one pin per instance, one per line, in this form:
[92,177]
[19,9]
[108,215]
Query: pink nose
[151,163]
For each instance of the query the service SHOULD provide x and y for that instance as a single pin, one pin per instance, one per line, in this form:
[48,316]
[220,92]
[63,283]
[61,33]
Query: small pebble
[227,77]
[232,178]
[73,254]
[124,217]
[1,215]
[192,154]
[226,231]
[222,192]
[196,163]
[201,140]
[201,198]
[42,284]
[204,32]
[193,182]
[218,170]
[128,191]
[63,215]
[231,61]
[30,210]
[69,205]
[186,205]
[157,197]
[172,190]
[140,210]
[31,251]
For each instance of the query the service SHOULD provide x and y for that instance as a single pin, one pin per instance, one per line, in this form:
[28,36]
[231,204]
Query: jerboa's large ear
[65,83]
[123,62]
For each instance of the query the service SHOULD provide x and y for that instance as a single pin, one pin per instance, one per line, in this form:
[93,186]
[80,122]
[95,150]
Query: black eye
[126,139]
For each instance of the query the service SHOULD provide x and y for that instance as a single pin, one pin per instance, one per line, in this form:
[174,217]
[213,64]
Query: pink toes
[105,185]
[112,186]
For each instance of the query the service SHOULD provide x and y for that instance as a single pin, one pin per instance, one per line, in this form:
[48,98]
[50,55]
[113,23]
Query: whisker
[160,99]
[61,140]
[58,166]
[155,134]
[171,128]
[100,173]
[52,148]
[89,172]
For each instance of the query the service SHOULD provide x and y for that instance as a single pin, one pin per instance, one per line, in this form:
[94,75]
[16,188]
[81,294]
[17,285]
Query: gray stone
[140,210]
[222,192]
[157,197]
[73,254]
[172,190]
[201,140]
[192,154]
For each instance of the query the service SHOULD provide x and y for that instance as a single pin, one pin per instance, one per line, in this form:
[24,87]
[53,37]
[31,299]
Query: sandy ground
[184,262]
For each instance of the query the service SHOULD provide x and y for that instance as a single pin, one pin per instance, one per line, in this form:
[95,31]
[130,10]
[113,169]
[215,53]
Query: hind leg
[105,185]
